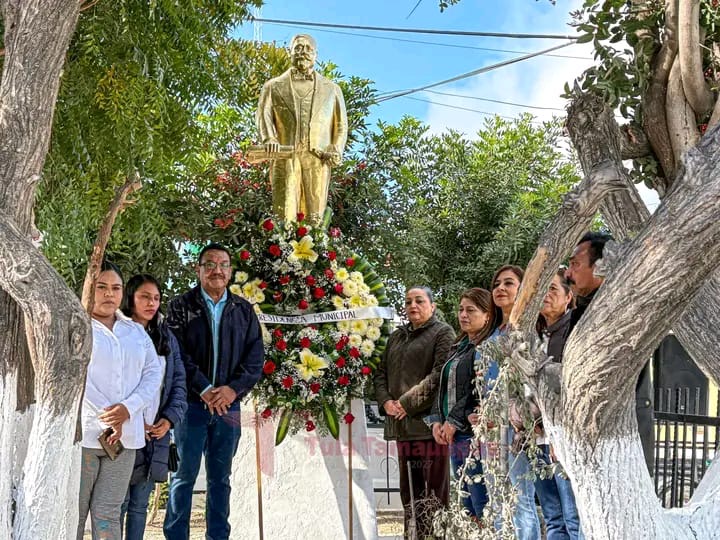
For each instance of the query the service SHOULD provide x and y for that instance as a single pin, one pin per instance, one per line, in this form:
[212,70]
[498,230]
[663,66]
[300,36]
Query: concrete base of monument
[305,484]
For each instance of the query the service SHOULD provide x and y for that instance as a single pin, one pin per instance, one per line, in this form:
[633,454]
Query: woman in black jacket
[142,304]
[448,418]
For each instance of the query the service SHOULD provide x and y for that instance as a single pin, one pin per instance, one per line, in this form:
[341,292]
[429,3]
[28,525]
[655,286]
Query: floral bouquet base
[325,323]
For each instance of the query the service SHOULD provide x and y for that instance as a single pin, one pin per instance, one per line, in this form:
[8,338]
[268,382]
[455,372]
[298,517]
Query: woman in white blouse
[123,378]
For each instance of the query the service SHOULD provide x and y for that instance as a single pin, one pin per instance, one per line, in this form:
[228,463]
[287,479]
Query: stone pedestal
[304,484]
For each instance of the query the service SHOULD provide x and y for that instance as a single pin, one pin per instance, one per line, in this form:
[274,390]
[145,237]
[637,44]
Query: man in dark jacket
[220,337]
[585,284]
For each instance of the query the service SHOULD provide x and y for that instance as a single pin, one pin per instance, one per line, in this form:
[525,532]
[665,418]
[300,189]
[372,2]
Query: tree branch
[118,204]
[87,5]
[654,118]
[693,80]
[680,115]
[634,143]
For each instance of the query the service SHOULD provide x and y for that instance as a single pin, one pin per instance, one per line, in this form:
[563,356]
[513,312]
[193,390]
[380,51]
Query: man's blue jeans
[215,437]
[133,512]
[558,504]
[477,496]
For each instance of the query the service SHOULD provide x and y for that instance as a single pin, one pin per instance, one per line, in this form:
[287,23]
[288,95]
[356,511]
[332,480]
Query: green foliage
[444,210]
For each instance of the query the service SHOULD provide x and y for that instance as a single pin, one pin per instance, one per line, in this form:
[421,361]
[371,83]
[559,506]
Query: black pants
[430,470]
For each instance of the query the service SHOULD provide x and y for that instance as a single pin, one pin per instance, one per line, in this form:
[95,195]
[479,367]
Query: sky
[394,63]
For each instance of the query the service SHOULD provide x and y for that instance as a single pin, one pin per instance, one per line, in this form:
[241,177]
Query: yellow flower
[357,277]
[372,301]
[364,289]
[378,322]
[355,340]
[343,326]
[266,337]
[341,275]
[367,347]
[248,290]
[373,333]
[311,365]
[236,289]
[303,249]
[241,277]
[259,297]
[338,302]
[355,301]
[359,327]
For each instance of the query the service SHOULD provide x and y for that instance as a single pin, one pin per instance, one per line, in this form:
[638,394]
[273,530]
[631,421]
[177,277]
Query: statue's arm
[264,119]
[340,129]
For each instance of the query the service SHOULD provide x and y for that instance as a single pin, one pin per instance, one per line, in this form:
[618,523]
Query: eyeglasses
[210,265]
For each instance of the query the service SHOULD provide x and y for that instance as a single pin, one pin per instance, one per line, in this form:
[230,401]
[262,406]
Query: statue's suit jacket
[276,116]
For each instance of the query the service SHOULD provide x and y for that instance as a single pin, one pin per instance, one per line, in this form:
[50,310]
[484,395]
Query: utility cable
[452,45]
[417,30]
[485,69]
[497,101]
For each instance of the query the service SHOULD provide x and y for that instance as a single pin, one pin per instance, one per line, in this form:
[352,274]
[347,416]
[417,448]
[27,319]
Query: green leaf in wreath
[283,425]
[331,419]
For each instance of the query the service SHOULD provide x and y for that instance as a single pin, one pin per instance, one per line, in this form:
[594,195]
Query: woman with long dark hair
[143,296]
[448,421]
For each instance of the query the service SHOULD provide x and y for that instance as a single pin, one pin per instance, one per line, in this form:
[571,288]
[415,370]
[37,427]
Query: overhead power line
[485,69]
[418,30]
[497,101]
[468,109]
[435,43]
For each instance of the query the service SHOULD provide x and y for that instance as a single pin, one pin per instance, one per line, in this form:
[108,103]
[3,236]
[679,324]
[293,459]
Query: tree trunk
[57,330]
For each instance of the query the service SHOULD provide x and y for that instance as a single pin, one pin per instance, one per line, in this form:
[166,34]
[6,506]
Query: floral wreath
[311,370]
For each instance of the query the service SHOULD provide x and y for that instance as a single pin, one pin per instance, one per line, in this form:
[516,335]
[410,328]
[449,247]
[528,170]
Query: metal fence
[685,444]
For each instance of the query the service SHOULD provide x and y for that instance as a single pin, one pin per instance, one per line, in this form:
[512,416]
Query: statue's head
[303,52]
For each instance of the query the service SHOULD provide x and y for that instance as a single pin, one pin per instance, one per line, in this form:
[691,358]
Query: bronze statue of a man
[303,110]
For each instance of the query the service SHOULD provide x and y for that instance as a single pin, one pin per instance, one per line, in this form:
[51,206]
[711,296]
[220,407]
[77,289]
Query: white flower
[350,288]
[344,327]
[355,340]
[359,327]
[364,289]
[338,302]
[373,332]
[372,301]
[357,277]
[367,347]
[266,337]
[259,297]
[378,322]
[241,277]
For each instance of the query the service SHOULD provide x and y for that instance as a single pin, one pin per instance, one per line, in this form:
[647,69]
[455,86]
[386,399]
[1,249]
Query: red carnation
[310,425]
[267,413]
[244,255]
[318,293]
[268,367]
[349,417]
[335,232]
[268,225]
[365,370]
[340,345]
[281,345]
[340,362]
[262,285]
[275,250]
[349,262]
[310,280]
[332,255]
[302,231]
[315,387]
[338,288]
[329,273]
[354,352]
[284,280]
[305,342]
[223,223]
[300,216]
[303,304]
[277,333]
[287,382]
[343,380]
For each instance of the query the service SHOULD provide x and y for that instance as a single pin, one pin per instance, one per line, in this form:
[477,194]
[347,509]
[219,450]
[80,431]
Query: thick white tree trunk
[8,402]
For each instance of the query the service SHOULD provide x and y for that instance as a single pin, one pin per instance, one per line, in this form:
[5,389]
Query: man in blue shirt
[221,341]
